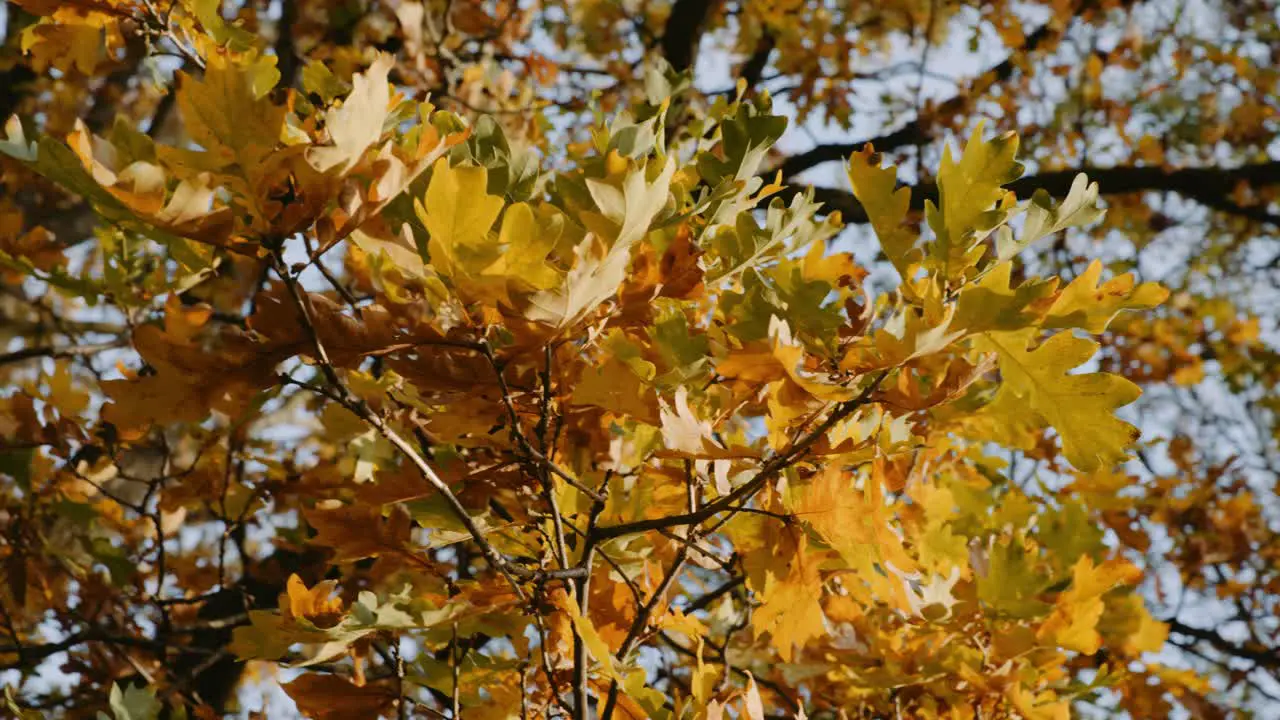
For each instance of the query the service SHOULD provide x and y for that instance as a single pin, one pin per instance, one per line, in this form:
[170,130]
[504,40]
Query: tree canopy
[617,359]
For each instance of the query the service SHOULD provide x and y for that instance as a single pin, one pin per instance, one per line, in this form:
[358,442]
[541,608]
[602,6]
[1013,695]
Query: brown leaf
[329,697]
[356,532]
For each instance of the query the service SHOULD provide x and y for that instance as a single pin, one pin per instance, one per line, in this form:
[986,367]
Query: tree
[478,359]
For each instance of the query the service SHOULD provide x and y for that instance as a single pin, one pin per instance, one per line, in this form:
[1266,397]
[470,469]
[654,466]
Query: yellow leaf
[1086,304]
[458,213]
[939,546]
[907,334]
[854,522]
[968,191]
[227,112]
[616,388]
[64,393]
[314,604]
[596,645]
[1044,706]
[1073,623]
[790,610]
[68,40]
[886,206]
[1079,407]
[182,322]
[1151,150]
[1140,632]
[524,245]
[991,304]
[647,701]
[676,621]
[1094,66]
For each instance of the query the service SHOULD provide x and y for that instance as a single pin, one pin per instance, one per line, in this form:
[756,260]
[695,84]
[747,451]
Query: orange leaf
[328,697]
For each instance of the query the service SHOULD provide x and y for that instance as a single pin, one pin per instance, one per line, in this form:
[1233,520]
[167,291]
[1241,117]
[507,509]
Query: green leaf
[17,465]
[886,206]
[991,304]
[134,703]
[1079,407]
[1012,584]
[1080,208]
[210,17]
[745,138]
[318,79]
[968,191]
[59,163]
[513,170]
[1071,532]
[684,353]
[787,228]
[732,167]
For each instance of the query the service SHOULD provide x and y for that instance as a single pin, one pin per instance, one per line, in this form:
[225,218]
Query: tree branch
[56,352]
[1269,657]
[286,51]
[32,655]
[1210,186]
[753,69]
[683,32]
[342,395]
[917,131]
[745,491]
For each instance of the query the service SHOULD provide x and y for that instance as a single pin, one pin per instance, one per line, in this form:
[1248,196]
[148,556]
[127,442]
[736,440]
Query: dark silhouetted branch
[1210,186]
[683,32]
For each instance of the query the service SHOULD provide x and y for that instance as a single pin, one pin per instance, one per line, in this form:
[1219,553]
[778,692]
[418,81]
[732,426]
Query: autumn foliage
[485,360]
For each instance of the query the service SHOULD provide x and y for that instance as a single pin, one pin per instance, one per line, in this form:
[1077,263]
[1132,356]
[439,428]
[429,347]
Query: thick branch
[32,655]
[1211,186]
[286,50]
[683,32]
[1268,657]
[753,69]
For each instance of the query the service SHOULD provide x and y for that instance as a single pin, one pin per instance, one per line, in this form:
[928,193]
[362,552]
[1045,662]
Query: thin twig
[745,491]
[58,352]
[343,396]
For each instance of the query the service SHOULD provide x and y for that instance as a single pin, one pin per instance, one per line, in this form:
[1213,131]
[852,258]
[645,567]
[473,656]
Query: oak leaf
[886,206]
[968,190]
[1079,407]
[1085,303]
[458,213]
[1073,623]
[357,123]
[787,576]
[329,697]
